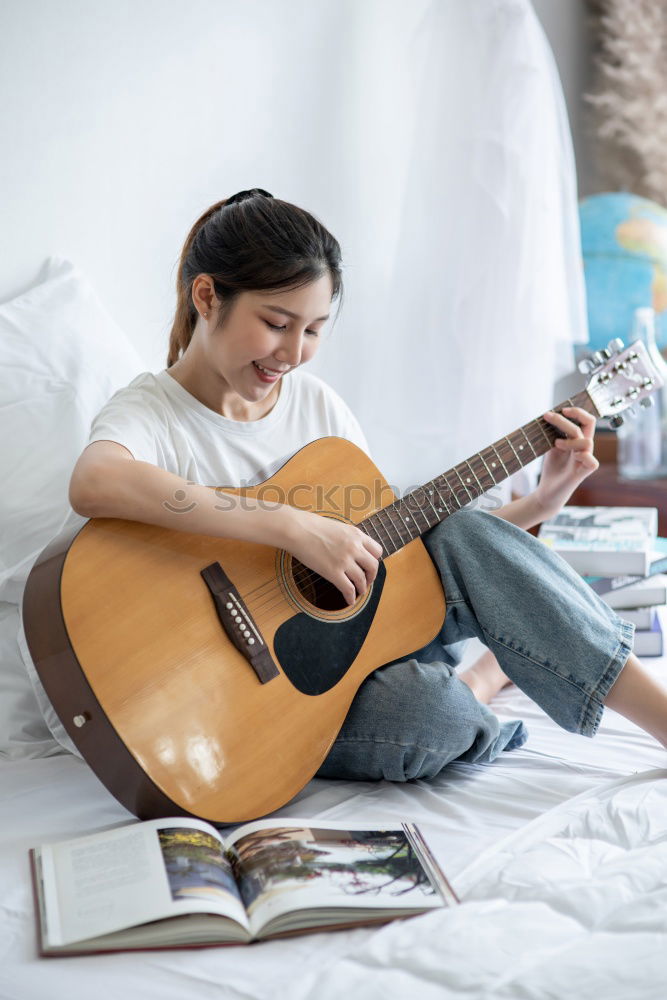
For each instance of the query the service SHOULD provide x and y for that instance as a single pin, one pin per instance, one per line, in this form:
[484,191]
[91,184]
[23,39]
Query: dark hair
[248,242]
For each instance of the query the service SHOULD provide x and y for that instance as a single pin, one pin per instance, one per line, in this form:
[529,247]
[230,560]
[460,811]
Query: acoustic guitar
[209,677]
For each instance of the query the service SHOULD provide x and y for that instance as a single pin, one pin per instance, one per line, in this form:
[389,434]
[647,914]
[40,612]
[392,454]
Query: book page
[135,874]
[295,866]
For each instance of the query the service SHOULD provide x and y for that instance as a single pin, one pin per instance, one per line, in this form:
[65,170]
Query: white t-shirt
[160,422]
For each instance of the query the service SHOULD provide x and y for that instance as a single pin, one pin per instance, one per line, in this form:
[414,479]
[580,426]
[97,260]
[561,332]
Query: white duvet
[573,905]
[558,850]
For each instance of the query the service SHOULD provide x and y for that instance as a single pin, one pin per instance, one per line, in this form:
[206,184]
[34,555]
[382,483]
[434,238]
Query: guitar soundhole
[315,589]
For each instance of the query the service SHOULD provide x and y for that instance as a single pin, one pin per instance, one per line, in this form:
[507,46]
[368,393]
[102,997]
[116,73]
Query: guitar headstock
[620,377]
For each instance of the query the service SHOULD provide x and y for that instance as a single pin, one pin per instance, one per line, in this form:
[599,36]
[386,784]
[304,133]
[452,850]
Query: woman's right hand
[340,552]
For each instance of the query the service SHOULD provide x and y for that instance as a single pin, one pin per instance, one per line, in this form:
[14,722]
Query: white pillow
[23,731]
[61,358]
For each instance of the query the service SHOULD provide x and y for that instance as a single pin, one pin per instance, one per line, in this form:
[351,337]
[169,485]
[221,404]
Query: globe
[624,244]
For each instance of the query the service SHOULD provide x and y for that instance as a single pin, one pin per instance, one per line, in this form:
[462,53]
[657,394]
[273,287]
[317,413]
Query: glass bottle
[642,442]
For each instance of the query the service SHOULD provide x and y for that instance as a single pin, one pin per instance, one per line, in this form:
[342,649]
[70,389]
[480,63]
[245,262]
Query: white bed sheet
[467,811]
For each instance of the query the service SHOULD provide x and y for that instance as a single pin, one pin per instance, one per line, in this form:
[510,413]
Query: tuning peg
[616,422]
[647,402]
[615,345]
[586,366]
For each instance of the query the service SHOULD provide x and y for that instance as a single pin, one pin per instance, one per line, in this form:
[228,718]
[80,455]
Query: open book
[173,883]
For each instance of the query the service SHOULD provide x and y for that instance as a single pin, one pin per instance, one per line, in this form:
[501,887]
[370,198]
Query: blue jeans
[551,634]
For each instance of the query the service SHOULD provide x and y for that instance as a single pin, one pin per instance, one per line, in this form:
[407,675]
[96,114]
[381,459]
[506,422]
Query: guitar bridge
[238,623]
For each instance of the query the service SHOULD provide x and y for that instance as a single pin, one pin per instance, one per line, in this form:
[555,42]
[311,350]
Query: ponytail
[185,318]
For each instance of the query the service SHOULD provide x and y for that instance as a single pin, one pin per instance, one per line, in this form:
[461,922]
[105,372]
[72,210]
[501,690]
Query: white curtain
[430,136]
[464,280]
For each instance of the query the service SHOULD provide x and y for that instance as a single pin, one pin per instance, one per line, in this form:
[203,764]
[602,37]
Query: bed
[558,849]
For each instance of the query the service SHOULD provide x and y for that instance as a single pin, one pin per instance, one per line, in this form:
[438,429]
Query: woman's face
[266,335]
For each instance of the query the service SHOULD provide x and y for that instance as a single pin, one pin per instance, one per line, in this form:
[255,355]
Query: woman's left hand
[569,461]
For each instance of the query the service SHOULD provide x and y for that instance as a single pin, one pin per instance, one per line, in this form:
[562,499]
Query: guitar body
[129,643]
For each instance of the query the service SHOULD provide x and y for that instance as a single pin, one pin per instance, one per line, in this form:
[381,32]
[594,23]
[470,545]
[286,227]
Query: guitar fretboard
[410,516]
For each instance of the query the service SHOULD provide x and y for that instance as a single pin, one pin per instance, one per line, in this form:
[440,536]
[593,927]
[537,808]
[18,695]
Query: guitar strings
[301,578]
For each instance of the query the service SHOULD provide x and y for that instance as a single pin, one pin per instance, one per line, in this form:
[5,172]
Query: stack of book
[618,552]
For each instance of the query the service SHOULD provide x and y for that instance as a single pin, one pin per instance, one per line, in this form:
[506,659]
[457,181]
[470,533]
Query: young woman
[256,283]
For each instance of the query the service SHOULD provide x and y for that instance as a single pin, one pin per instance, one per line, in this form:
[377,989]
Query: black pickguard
[314,655]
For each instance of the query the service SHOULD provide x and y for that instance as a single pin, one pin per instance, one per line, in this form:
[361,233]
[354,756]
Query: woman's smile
[268,375]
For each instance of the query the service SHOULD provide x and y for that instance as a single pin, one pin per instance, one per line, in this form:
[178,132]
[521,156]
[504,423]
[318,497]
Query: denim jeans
[551,634]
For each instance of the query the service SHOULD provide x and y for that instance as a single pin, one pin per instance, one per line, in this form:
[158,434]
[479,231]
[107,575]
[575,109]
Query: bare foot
[485,678]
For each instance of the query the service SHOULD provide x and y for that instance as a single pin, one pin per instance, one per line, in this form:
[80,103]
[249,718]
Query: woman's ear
[203,294]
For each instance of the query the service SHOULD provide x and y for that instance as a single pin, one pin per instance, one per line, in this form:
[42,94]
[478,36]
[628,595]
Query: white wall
[428,136]
[121,118]
[119,122]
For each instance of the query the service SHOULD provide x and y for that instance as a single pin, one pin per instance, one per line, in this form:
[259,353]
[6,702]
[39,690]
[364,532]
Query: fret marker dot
[520,447]
[493,465]
[468,480]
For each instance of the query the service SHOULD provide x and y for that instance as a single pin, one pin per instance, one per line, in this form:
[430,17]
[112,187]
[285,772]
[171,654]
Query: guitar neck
[412,515]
